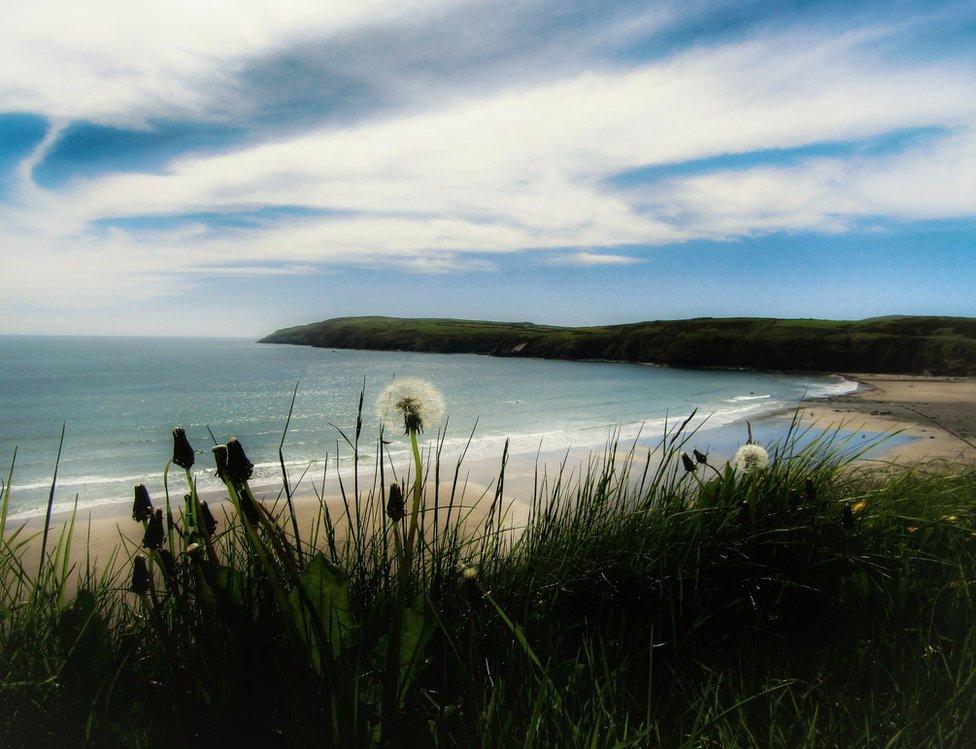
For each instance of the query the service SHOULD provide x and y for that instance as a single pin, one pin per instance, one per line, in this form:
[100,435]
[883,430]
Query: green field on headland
[910,345]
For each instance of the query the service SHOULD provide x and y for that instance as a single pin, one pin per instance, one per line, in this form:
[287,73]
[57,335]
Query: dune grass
[643,604]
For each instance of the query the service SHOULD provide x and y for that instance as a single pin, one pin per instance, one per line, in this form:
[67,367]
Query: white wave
[485,446]
[836,386]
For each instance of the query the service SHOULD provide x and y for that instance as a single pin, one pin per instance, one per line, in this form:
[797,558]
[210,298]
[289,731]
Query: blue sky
[218,169]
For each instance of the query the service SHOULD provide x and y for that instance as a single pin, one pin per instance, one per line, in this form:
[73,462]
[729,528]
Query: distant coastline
[941,346]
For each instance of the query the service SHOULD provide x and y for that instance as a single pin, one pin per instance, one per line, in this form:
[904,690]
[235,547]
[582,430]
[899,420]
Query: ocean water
[120,397]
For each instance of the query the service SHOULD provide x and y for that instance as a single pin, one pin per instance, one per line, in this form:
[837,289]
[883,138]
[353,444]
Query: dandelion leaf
[327,590]
[418,627]
[82,630]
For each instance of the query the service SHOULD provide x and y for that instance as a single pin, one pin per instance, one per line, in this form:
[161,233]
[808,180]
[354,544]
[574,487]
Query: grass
[910,344]
[807,604]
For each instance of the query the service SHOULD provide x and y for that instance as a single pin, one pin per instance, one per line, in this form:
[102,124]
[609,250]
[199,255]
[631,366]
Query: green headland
[899,344]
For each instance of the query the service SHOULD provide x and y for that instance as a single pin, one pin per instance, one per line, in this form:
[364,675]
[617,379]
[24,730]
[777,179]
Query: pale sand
[939,412]
[112,532]
[881,404]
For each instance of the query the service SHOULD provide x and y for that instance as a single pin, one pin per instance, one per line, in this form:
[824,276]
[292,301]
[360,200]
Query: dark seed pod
[154,536]
[809,491]
[794,500]
[209,522]
[168,562]
[141,580]
[700,456]
[394,505]
[412,422]
[142,506]
[744,512]
[182,451]
[220,459]
[848,517]
[239,468]
[689,464]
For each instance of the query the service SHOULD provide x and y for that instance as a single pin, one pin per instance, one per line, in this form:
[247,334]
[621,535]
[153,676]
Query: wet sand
[939,413]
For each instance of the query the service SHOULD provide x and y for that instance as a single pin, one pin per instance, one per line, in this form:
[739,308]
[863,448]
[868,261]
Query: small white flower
[409,404]
[750,458]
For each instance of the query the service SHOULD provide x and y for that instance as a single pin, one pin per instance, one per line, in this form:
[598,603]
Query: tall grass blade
[50,502]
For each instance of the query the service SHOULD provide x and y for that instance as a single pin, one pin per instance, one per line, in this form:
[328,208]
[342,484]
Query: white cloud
[524,168]
[124,61]
[929,182]
[590,259]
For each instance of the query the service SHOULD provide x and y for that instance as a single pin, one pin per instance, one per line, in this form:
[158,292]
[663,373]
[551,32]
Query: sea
[119,398]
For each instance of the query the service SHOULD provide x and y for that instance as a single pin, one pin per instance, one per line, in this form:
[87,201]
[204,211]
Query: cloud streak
[470,173]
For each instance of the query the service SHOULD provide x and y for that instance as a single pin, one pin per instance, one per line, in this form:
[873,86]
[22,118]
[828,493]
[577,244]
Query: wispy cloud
[589,259]
[120,62]
[479,157]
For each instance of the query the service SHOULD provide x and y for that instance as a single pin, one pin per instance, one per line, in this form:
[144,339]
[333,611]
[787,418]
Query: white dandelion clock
[750,458]
[409,404]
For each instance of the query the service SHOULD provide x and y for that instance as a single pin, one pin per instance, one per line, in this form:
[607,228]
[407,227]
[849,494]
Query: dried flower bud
[700,456]
[220,459]
[168,562]
[141,580]
[848,517]
[394,505]
[209,522]
[182,451]
[142,506]
[688,463]
[239,468]
[154,536]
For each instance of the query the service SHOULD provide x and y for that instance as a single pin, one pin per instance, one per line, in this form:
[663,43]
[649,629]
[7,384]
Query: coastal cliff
[909,345]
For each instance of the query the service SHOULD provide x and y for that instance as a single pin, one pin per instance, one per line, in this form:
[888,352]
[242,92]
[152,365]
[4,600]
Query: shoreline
[482,467]
[937,413]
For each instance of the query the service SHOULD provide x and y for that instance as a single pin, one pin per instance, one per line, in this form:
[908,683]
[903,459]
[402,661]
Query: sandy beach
[109,530]
[939,413]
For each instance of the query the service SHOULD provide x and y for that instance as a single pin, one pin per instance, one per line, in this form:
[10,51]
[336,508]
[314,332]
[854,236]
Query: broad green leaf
[418,627]
[82,629]
[327,588]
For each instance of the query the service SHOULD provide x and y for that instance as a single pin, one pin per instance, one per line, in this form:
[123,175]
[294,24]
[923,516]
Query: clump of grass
[651,600]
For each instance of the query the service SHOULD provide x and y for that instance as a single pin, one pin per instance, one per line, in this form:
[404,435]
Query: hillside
[935,345]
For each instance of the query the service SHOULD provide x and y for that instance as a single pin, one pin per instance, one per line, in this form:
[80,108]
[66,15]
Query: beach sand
[108,531]
[939,413]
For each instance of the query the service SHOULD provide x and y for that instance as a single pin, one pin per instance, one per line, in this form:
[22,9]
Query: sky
[224,168]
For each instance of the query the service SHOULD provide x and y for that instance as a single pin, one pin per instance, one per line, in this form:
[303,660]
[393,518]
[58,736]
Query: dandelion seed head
[409,404]
[750,458]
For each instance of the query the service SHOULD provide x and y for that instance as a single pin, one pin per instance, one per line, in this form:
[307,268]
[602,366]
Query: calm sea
[121,397]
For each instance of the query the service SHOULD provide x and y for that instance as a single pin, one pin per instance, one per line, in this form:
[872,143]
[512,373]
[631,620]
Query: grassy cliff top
[897,344]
